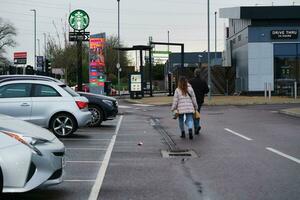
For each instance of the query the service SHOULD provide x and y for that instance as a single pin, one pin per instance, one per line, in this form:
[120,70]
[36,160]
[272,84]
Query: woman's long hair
[183,85]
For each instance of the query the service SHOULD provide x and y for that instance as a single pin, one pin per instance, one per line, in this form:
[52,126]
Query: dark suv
[102,107]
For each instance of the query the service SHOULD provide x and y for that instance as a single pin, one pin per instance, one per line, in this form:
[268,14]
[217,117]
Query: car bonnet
[24,128]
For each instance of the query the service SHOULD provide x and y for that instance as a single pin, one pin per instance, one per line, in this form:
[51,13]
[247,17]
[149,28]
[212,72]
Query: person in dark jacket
[200,88]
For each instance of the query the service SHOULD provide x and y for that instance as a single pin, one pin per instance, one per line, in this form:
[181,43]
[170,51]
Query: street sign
[40,63]
[20,58]
[118,66]
[79,20]
[75,36]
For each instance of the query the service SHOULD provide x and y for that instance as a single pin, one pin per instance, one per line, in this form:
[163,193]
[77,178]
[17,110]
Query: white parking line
[120,106]
[237,134]
[142,105]
[99,180]
[284,155]
[79,180]
[87,149]
[82,139]
[83,161]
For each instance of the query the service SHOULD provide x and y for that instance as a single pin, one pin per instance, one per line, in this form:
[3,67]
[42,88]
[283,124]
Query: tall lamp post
[34,12]
[208,51]
[118,64]
[215,38]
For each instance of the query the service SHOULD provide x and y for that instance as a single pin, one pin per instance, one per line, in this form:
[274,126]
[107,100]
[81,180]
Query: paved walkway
[229,100]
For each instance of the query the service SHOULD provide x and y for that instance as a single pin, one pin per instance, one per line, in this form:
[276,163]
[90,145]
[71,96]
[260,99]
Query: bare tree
[7,33]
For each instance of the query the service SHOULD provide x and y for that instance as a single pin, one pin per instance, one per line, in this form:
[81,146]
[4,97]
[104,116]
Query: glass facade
[286,67]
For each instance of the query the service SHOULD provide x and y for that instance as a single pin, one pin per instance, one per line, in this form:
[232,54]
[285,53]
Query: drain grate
[178,154]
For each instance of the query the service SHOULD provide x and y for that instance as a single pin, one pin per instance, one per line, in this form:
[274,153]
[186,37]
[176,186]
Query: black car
[102,107]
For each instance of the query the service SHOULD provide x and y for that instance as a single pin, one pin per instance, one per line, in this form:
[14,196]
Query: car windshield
[70,90]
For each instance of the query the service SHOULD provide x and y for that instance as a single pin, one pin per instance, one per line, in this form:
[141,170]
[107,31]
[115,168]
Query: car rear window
[70,91]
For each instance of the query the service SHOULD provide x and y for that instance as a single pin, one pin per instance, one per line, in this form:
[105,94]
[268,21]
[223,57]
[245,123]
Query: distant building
[263,44]
[192,60]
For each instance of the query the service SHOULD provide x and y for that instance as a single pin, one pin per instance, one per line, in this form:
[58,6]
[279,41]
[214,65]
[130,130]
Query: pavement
[230,100]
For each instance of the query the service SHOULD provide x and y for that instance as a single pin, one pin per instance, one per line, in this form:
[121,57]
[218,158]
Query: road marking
[124,106]
[99,180]
[87,149]
[237,134]
[83,161]
[79,180]
[142,105]
[79,139]
[284,155]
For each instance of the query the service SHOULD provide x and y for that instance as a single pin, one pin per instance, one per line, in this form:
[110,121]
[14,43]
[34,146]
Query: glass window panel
[18,90]
[285,49]
[45,91]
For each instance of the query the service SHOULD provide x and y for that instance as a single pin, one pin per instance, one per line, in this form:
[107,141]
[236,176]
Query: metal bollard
[266,90]
[269,86]
[295,89]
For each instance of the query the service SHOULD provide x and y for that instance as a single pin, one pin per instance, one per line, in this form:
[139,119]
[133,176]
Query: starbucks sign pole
[79,21]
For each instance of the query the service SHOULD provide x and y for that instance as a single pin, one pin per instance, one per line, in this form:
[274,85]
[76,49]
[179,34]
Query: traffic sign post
[79,21]
[75,36]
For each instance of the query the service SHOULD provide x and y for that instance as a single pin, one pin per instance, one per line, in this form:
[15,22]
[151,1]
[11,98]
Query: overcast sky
[185,19]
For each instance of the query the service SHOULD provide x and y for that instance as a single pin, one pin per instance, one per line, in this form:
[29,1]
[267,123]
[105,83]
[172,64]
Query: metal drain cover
[178,154]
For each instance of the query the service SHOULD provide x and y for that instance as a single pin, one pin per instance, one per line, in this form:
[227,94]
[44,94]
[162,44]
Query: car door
[15,100]
[45,99]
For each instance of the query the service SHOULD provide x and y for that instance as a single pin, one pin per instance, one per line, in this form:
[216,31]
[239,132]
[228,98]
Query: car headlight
[27,141]
[107,102]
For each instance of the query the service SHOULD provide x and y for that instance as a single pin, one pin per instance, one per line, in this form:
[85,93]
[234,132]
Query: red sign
[20,55]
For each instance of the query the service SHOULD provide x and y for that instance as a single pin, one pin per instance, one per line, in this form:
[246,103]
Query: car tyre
[97,115]
[63,125]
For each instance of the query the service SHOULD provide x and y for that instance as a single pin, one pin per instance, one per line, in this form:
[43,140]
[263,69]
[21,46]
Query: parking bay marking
[87,149]
[79,180]
[79,139]
[99,180]
[84,161]
[283,155]
[237,134]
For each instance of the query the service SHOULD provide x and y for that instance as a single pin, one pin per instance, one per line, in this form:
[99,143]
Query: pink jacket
[184,104]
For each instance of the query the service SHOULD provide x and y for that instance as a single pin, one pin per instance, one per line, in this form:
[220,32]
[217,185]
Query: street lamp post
[34,12]
[118,65]
[208,51]
[45,51]
[215,38]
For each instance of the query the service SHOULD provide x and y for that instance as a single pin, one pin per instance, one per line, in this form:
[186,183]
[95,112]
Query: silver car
[45,103]
[30,156]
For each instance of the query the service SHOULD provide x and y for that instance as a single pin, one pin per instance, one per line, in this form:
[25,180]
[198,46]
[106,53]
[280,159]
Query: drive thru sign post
[79,21]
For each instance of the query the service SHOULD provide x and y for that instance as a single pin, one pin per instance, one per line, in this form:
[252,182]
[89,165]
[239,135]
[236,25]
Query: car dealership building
[263,44]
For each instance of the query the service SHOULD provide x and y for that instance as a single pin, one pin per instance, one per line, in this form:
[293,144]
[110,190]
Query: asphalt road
[244,152]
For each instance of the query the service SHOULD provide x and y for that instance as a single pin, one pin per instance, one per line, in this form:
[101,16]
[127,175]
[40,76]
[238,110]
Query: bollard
[269,86]
[295,89]
[266,90]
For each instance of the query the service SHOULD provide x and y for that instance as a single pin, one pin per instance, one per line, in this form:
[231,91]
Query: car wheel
[1,182]
[97,116]
[63,125]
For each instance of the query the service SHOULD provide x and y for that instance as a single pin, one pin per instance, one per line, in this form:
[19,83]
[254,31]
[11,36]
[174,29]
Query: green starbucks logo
[79,20]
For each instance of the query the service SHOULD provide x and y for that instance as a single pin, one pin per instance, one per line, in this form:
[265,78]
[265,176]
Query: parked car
[46,103]
[30,156]
[102,107]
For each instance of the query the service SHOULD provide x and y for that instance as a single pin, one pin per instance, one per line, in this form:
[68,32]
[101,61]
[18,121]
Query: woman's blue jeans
[189,121]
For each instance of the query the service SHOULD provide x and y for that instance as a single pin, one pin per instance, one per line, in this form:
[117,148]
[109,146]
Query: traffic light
[47,66]
[29,70]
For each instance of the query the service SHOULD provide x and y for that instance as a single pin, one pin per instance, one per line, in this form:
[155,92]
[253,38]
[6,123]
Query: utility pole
[118,64]
[45,46]
[34,24]
[215,38]
[39,49]
[208,51]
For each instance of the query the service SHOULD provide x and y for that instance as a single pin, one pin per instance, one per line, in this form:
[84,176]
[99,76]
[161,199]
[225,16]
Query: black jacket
[200,88]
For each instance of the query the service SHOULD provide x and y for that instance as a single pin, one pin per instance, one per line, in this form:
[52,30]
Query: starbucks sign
[79,20]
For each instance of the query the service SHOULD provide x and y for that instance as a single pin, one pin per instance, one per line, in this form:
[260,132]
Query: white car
[30,156]
[45,103]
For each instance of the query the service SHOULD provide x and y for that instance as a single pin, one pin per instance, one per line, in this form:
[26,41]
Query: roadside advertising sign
[97,63]
[20,58]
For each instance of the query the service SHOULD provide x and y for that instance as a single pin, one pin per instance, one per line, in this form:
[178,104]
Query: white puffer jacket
[184,104]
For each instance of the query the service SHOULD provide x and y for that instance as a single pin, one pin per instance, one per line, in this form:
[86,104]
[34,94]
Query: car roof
[34,81]
[5,78]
